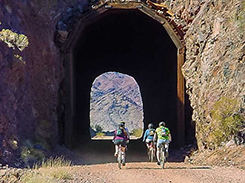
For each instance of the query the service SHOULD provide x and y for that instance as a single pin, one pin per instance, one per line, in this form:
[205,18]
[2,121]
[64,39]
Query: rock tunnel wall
[214,66]
[30,80]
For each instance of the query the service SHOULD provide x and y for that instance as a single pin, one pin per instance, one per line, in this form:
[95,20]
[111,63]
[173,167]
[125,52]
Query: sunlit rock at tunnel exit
[115,97]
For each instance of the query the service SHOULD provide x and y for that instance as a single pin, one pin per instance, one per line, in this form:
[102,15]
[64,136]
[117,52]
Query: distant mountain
[115,97]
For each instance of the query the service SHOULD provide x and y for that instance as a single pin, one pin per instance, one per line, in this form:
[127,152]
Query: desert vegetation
[226,122]
[137,132]
[14,40]
[51,170]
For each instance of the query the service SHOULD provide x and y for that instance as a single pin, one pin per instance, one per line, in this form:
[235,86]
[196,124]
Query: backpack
[163,132]
[151,132]
[119,132]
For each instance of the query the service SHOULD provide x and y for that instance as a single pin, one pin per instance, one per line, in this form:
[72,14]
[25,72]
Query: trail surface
[150,172]
[99,166]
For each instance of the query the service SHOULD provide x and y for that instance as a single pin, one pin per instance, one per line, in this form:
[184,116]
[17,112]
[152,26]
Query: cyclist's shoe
[115,154]
[158,163]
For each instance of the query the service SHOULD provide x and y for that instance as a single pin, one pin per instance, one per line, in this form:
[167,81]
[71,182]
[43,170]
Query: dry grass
[53,162]
[223,156]
[49,171]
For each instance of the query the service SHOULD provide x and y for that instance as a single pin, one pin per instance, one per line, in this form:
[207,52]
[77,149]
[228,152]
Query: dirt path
[95,163]
[150,172]
[99,166]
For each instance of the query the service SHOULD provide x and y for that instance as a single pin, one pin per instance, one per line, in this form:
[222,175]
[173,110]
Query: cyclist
[125,128]
[148,135]
[121,137]
[163,137]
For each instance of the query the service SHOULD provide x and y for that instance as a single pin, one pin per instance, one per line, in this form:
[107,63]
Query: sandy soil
[95,163]
[100,167]
[150,172]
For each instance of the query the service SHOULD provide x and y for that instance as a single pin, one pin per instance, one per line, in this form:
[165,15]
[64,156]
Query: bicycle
[151,151]
[120,157]
[163,155]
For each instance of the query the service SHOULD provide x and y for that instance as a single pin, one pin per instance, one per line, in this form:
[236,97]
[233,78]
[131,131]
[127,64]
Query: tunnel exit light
[115,97]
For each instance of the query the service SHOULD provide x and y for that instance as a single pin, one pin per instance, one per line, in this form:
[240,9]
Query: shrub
[100,134]
[226,121]
[137,132]
[32,154]
[14,40]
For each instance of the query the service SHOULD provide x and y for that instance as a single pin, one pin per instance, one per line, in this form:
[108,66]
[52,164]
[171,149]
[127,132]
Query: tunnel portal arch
[70,51]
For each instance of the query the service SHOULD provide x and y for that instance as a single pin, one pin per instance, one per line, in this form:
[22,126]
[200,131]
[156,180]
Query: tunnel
[130,42]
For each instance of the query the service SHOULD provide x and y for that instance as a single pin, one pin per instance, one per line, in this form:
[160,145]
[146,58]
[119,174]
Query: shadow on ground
[101,151]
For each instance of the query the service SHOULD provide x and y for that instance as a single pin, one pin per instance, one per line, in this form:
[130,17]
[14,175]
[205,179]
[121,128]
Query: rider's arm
[169,137]
[155,137]
[128,135]
[145,134]
[114,136]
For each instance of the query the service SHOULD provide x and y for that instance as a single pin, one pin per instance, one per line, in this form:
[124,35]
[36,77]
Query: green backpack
[119,132]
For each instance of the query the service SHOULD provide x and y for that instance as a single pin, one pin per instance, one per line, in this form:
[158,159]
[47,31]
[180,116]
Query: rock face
[214,67]
[115,97]
[29,78]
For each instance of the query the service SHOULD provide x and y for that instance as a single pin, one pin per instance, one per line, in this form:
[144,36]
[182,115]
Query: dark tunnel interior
[129,42]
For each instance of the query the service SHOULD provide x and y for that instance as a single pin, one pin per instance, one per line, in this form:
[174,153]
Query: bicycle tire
[119,158]
[151,155]
[162,158]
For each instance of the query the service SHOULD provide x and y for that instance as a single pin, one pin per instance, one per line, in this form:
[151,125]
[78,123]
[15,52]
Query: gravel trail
[151,172]
[98,165]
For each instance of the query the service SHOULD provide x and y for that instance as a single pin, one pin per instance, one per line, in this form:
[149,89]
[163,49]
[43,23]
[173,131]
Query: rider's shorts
[148,141]
[160,142]
[120,141]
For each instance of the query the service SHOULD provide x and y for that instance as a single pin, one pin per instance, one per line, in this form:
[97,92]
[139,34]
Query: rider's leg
[116,150]
[147,142]
[158,150]
[123,156]
[124,147]
[167,147]
[158,154]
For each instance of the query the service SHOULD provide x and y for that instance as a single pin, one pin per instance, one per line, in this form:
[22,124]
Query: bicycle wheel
[152,154]
[119,158]
[162,158]
[149,154]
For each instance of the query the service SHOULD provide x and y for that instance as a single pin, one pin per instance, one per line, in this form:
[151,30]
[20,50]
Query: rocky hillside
[214,68]
[115,97]
[30,73]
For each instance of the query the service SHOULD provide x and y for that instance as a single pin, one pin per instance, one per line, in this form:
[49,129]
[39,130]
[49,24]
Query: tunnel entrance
[130,41]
